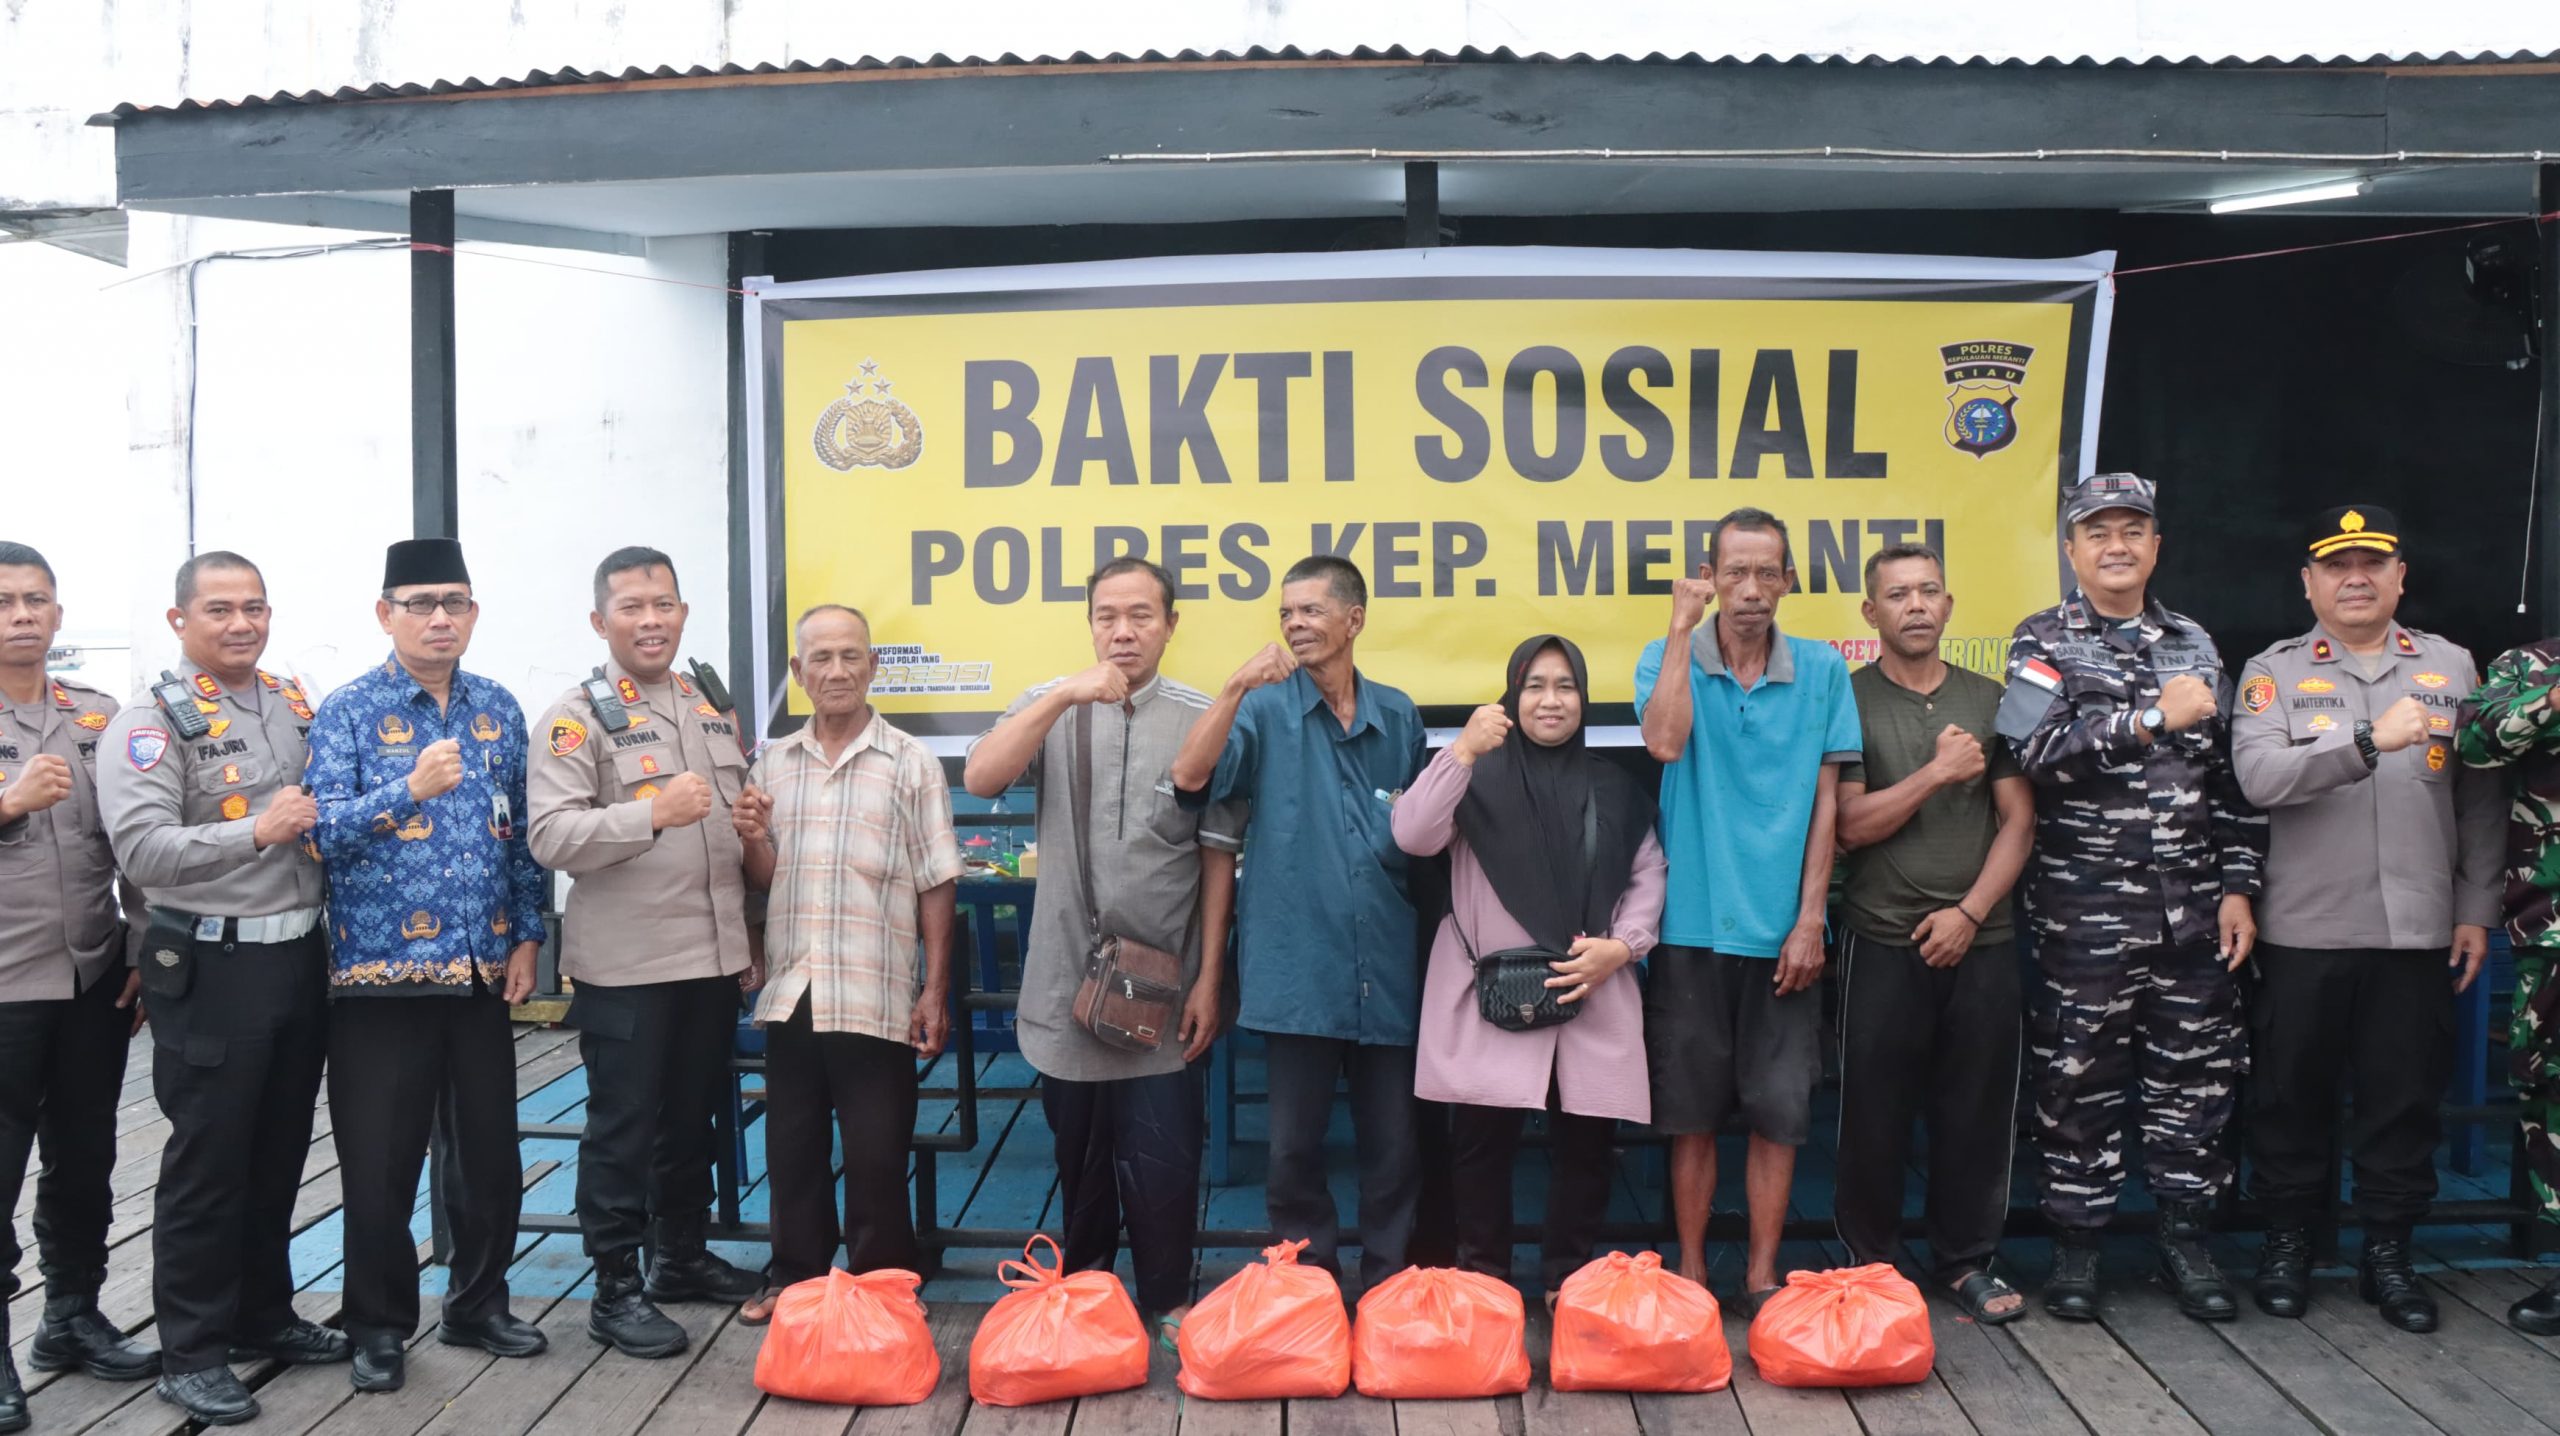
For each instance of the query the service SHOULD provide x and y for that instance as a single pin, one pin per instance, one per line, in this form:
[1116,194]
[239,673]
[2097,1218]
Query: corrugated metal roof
[571,78]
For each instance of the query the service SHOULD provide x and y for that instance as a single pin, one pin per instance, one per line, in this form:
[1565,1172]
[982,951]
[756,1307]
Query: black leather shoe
[81,1336]
[382,1362]
[305,1343]
[2187,1269]
[2538,1314]
[2071,1292]
[503,1334]
[213,1396]
[2283,1287]
[622,1317]
[13,1397]
[2388,1283]
[682,1269]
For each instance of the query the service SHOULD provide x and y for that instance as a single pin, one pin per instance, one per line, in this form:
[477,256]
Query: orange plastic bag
[1267,1333]
[1625,1324]
[1054,1336]
[1432,1333]
[850,1341]
[1858,1326]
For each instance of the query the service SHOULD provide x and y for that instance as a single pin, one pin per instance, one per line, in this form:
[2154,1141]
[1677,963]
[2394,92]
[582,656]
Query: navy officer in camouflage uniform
[2146,860]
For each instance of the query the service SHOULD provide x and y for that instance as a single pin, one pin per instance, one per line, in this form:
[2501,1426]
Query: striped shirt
[854,842]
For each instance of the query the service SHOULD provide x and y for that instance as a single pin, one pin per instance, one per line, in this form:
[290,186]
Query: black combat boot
[2187,1269]
[683,1269]
[623,1319]
[2284,1272]
[13,1397]
[2071,1293]
[2538,1314]
[76,1334]
[2388,1283]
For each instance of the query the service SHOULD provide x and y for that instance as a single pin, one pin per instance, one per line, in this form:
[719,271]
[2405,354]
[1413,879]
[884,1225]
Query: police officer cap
[2108,491]
[2355,526]
[426,560]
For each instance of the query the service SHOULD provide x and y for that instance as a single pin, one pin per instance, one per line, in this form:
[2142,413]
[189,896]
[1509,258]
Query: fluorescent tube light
[2343,189]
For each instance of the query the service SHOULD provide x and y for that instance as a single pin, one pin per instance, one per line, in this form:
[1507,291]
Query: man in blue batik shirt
[436,905]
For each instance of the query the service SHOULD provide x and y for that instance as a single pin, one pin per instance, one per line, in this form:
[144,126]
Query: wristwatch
[2153,721]
[2364,743]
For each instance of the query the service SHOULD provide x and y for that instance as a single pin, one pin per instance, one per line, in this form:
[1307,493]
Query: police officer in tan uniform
[66,995]
[2383,872]
[200,780]
[630,783]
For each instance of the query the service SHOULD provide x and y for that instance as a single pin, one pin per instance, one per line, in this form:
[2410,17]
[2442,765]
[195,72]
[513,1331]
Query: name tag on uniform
[208,929]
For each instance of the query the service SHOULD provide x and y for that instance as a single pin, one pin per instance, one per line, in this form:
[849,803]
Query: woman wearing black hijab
[1549,846]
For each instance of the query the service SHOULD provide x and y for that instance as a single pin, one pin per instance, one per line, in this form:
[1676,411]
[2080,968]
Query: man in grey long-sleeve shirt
[2382,872]
[201,789]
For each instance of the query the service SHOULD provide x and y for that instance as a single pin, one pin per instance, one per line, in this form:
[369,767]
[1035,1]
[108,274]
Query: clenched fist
[1959,757]
[2400,725]
[1102,683]
[1271,665]
[1485,730]
[45,781]
[684,801]
[752,815]
[438,771]
[2185,701]
[1689,600]
[290,814]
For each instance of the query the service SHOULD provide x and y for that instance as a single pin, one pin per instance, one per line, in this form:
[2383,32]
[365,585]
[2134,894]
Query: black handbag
[1511,984]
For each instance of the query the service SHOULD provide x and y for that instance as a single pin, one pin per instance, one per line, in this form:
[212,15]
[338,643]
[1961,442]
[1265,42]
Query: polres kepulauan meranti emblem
[867,429]
[1983,378]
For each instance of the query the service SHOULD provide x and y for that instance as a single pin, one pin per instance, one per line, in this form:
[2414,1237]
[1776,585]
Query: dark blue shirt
[1325,932]
[422,896]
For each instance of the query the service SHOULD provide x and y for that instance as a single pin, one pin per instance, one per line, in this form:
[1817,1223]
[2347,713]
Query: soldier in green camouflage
[2512,723]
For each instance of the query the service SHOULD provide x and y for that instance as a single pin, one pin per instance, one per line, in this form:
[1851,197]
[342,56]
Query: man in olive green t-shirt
[1937,819]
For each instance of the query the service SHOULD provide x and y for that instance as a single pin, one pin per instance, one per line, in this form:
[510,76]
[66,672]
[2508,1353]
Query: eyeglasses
[456,604]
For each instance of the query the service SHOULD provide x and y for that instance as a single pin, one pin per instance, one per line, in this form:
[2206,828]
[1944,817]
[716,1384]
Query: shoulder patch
[2260,695]
[566,734]
[145,747]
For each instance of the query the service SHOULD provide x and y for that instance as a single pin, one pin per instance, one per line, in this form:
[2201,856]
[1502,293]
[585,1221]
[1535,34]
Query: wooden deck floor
[2144,1369]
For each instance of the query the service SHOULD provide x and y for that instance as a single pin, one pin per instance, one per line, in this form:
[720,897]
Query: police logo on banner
[877,432]
[1983,378]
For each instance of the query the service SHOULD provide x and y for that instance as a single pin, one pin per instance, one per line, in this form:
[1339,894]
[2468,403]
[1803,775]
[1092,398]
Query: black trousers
[1301,1077]
[1129,1153]
[1484,1141]
[820,1087]
[395,1063]
[656,1055]
[1940,1044]
[61,1066]
[2378,1023]
[236,1065]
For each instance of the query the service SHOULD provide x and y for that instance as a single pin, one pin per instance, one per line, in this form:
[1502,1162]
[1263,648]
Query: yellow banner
[1496,466]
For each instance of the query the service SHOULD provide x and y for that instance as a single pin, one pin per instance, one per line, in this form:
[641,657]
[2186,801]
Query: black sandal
[1976,1290]
[1752,1301]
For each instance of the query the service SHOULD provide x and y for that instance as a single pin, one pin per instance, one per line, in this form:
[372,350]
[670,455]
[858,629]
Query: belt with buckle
[269,929]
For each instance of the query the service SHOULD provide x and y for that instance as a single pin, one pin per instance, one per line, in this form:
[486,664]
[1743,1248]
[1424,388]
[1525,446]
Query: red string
[422,245]
[2333,244]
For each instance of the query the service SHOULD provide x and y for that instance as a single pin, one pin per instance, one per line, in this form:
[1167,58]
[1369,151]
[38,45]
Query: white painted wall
[593,409]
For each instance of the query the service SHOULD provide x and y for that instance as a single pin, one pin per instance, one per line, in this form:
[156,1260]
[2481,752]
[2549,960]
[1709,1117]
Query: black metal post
[746,257]
[2546,346]
[1422,204]
[435,503]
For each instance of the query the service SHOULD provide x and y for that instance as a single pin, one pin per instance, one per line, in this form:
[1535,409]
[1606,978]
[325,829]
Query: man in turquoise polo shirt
[1751,748]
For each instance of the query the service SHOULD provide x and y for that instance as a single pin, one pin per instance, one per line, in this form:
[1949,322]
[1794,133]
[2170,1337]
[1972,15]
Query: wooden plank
[1232,1418]
[1448,1418]
[1154,1409]
[2193,1359]
[2506,1359]
[1350,1415]
[1659,1414]
[780,1416]
[510,1396]
[619,1392]
[1545,1411]
[2420,1369]
[1780,1410]
[718,1397]
[1049,1418]
[2490,1292]
[2109,1390]
[1997,1383]
[953,1324]
[1923,1408]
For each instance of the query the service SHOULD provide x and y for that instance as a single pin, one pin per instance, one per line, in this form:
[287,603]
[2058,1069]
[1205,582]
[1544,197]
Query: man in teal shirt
[1325,930]
[1751,748]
